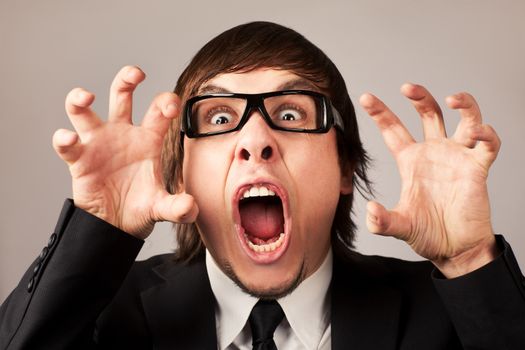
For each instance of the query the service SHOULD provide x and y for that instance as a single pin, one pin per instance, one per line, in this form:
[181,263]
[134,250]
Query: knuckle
[491,129]
[464,95]
[470,101]
[468,95]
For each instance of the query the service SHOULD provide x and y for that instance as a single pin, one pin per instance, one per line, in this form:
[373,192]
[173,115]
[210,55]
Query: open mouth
[262,227]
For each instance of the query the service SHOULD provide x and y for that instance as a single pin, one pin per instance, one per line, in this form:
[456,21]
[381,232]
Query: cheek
[318,184]
[204,170]
[319,172]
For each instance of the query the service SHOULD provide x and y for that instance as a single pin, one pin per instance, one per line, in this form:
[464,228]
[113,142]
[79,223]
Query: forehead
[256,81]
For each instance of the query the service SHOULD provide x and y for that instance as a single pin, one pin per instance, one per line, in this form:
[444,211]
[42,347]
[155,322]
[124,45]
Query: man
[260,154]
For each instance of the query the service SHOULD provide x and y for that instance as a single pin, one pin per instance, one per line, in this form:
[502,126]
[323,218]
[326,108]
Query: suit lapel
[365,309]
[181,311]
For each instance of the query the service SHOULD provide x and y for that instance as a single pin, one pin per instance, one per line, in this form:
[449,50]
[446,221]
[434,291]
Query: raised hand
[115,165]
[443,212]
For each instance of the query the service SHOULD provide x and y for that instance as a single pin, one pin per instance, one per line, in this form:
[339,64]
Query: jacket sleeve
[487,306]
[60,296]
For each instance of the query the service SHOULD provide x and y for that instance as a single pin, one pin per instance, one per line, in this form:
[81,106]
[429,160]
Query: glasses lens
[296,111]
[217,114]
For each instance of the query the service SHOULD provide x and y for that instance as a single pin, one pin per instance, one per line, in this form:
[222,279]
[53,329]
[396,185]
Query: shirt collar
[307,308]
[233,306]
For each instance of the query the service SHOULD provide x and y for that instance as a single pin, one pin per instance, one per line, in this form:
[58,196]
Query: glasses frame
[331,116]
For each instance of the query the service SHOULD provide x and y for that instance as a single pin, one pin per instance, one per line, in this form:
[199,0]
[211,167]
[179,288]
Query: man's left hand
[443,212]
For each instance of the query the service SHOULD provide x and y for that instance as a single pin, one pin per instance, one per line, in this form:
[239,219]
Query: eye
[220,115]
[289,113]
[222,118]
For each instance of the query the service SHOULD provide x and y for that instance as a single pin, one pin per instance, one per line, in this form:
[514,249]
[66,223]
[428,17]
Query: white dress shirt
[307,311]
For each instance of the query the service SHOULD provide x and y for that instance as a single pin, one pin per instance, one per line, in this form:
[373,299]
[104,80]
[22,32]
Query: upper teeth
[261,191]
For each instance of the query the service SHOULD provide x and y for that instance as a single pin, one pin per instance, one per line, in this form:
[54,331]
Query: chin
[267,287]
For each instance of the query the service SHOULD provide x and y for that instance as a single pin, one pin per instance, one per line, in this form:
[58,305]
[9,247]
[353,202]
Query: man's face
[266,243]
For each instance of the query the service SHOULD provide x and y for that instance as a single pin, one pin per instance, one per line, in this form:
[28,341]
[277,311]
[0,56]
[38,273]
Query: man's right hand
[115,165]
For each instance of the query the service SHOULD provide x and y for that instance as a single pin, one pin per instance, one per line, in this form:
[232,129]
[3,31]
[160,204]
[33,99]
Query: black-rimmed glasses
[291,110]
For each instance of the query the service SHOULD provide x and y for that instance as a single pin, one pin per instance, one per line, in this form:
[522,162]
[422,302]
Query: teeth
[270,247]
[261,191]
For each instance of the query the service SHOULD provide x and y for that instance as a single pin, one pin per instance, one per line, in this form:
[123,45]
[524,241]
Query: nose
[256,141]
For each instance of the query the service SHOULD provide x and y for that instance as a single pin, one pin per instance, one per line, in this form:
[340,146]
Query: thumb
[386,223]
[177,208]
[67,145]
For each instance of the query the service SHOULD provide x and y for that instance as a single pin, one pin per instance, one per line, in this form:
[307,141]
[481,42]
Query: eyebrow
[298,84]
[295,84]
[212,89]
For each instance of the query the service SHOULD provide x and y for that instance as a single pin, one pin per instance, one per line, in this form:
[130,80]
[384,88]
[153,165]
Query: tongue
[261,219]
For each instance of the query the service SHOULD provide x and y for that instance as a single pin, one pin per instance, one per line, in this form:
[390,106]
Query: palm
[443,197]
[119,176]
[443,211]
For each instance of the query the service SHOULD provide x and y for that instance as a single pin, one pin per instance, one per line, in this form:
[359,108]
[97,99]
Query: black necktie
[264,319]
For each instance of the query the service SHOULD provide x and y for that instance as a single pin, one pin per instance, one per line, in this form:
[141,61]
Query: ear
[347,177]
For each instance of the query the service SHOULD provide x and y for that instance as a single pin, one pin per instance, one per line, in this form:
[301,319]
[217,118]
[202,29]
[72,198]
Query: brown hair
[263,44]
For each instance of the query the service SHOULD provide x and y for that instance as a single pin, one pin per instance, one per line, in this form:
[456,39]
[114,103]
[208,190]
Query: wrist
[140,231]
[469,260]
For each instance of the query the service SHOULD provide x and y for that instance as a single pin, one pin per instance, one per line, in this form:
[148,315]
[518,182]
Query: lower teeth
[269,247]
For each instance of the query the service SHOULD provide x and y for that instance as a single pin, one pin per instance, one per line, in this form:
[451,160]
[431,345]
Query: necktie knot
[264,319]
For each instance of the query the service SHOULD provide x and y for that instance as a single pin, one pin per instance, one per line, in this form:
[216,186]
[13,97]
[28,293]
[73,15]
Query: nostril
[266,153]
[245,154]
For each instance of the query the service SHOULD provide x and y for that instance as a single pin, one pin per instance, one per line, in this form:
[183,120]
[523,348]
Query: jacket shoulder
[124,318]
[383,268]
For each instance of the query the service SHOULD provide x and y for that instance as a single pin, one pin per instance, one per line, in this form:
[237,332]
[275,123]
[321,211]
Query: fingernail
[171,108]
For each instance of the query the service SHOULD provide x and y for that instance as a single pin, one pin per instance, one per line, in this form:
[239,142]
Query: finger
[386,223]
[163,108]
[121,93]
[428,109]
[394,133]
[67,145]
[78,102]
[488,145]
[180,208]
[470,116]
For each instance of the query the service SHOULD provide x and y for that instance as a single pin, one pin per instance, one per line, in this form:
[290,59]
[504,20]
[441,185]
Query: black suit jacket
[86,291]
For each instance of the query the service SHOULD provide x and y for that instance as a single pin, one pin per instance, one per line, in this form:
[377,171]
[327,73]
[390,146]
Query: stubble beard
[274,292]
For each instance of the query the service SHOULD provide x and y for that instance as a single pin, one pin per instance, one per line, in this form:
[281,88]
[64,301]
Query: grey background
[49,47]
